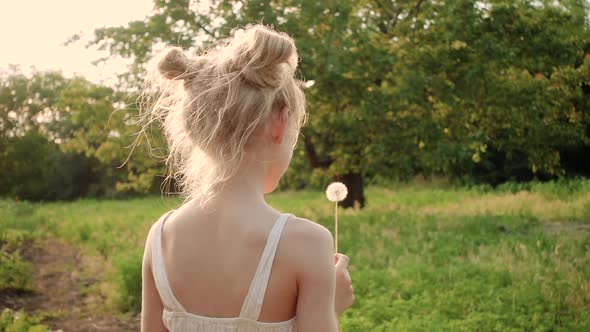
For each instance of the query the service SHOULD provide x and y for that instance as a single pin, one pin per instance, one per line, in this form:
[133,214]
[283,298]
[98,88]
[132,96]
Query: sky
[32,31]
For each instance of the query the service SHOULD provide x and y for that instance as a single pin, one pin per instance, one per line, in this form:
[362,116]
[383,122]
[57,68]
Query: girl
[226,260]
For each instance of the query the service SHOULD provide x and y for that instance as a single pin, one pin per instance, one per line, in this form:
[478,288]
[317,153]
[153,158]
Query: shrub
[19,321]
[129,280]
[15,273]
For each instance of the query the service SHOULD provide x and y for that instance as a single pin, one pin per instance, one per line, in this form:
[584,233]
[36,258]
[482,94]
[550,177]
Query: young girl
[226,260]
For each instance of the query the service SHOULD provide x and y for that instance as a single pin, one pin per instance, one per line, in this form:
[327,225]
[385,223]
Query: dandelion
[336,192]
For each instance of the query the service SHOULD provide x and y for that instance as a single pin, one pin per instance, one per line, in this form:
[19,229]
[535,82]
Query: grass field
[423,257]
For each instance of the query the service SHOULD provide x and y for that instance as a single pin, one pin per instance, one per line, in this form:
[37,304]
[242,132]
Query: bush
[15,273]
[34,168]
[19,321]
[129,280]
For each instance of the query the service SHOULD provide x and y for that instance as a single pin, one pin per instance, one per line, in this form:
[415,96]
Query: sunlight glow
[31,34]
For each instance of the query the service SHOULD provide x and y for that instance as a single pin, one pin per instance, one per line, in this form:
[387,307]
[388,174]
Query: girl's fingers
[342,261]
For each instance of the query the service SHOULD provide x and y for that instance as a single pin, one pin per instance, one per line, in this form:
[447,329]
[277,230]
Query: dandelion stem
[336,228]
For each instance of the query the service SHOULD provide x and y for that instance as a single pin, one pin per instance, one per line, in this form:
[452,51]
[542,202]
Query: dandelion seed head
[336,191]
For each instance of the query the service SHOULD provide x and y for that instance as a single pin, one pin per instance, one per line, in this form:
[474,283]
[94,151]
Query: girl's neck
[244,189]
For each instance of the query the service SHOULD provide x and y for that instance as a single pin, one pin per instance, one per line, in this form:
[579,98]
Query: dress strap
[253,303]
[159,270]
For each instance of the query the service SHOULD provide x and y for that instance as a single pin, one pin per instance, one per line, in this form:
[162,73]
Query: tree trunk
[352,180]
[356,193]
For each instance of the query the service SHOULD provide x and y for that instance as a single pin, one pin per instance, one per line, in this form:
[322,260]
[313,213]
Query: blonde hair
[211,105]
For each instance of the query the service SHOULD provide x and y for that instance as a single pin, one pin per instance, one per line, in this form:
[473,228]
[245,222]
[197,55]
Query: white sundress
[176,318]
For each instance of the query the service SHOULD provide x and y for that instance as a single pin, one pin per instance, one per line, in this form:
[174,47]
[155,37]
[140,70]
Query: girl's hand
[344,292]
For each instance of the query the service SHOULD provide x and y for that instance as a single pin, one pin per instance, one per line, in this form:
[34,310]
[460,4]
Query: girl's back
[221,254]
[227,270]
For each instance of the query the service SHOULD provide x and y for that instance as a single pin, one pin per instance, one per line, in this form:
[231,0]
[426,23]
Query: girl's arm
[316,282]
[151,304]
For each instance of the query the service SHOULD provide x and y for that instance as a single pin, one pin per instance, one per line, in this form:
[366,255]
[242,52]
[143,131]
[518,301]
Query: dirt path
[58,285]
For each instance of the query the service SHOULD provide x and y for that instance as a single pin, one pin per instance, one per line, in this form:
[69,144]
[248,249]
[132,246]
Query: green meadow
[423,257]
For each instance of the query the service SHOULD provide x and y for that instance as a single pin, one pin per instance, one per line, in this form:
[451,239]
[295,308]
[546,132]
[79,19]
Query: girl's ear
[278,125]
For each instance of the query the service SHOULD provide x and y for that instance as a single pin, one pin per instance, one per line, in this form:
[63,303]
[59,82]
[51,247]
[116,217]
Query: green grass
[422,257]
[16,231]
[20,321]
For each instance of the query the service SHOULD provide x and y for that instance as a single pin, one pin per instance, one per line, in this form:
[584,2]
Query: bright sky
[32,31]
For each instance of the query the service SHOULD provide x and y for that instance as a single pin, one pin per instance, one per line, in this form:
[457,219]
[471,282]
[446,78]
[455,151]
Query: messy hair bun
[267,59]
[211,105]
[174,63]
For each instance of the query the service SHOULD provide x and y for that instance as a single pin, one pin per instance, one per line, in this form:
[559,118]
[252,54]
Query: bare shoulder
[306,239]
[307,231]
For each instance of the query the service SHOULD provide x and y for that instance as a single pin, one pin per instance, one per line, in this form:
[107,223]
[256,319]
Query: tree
[63,138]
[502,81]
[102,126]
[485,90]
[332,49]
[31,130]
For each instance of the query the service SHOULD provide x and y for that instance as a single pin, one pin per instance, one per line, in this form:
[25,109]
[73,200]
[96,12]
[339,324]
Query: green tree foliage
[102,127]
[31,162]
[500,83]
[484,90]
[36,169]
[63,138]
